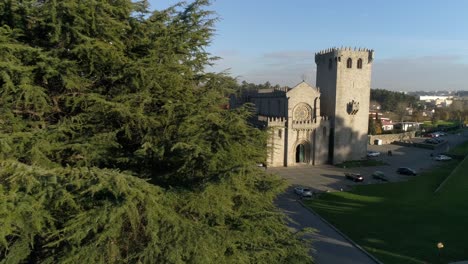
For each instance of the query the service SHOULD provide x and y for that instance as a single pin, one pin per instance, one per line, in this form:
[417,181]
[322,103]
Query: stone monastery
[323,124]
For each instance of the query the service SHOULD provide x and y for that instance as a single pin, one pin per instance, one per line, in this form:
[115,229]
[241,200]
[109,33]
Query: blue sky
[419,45]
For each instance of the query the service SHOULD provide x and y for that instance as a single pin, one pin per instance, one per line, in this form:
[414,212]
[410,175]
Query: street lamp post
[440,246]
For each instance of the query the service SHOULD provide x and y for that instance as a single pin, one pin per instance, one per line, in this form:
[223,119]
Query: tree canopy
[389,100]
[114,145]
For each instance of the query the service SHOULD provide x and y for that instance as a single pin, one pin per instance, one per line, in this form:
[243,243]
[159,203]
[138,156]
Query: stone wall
[345,98]
[389,138]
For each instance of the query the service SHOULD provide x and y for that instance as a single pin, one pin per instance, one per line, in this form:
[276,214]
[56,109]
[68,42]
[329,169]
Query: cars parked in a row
[436,134]
[433,140]
[378,175]
[357,177]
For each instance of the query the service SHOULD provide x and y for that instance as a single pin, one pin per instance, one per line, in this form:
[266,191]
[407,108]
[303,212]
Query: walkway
[330,247]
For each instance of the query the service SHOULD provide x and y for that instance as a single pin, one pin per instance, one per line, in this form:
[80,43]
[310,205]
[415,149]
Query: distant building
[387,124]
[407,126]
[438,100]
[323,124]
[434,97]
[374,114]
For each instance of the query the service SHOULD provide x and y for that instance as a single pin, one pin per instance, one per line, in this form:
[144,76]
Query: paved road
[330,246]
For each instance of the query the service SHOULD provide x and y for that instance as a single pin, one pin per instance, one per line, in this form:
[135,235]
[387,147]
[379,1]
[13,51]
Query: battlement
[313,121]
[334,49]
[273,121]
[347,51]
[310,124]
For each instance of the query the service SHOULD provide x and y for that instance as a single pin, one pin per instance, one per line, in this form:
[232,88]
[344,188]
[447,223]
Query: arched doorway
[300,153]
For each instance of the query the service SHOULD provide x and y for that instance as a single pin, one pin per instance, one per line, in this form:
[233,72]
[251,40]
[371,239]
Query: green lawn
[460,150]
[440,122]
[403,222]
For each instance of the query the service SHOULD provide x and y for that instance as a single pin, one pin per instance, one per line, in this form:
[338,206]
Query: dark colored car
[406,171]
[431,141]
[379,176]
[354,176]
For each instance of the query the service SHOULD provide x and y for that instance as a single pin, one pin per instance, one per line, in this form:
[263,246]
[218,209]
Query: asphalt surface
[330,246]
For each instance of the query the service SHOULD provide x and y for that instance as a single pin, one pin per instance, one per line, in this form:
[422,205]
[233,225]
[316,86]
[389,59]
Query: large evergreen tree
[115,147]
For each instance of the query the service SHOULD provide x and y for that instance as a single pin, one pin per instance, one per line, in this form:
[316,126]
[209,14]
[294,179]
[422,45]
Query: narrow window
[359,64]
[349,63]
[280,133]
[330,64]
[324,132]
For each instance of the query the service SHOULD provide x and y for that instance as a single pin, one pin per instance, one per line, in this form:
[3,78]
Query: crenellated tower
[344,78]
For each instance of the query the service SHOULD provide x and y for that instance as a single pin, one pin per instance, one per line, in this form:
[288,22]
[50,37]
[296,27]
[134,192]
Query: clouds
[285,67]
[289,67]
[421,73]
[282,67]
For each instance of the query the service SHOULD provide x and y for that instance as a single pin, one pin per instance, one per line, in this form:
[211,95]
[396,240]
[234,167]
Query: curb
[341,233]
[449,176]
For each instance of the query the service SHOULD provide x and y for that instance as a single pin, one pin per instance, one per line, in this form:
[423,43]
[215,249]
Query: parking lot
[330,246]
[330,178]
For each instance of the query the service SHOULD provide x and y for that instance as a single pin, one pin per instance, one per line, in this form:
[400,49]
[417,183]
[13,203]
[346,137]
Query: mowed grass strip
[440,122]
[403,222]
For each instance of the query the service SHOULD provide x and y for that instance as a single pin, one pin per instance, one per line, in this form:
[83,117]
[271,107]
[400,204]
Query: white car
[442,158]
[303,192]
[373,153]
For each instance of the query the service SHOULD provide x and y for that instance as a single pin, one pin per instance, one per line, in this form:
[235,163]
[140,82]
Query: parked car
[379,176]
[261,166]
[406,171]
[442,158]
[354,176]
[431,141]
[373,153]
[440,134]
[303,192]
